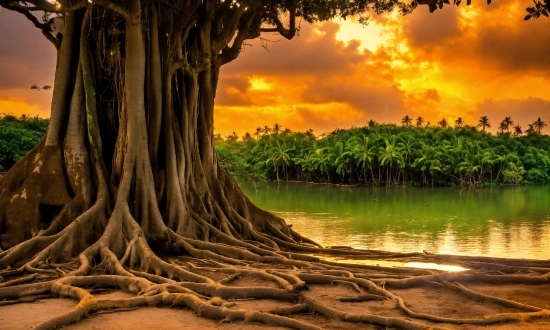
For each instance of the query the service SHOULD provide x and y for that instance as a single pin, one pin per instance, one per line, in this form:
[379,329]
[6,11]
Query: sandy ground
[437,301]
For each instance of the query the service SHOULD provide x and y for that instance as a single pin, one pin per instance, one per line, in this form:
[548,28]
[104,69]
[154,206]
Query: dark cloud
[26,56]
[431,94]
[426,30]
[306,53]
[331,72]
[232,97]
[495,36]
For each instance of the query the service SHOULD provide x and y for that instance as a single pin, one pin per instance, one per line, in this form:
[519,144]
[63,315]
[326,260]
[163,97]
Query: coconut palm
[277,128]
[419,122]
[280,155]
[390,155]
[484,123]
[459,122]
[320,160]
[507,122]
[517,130]
[247,137]
[309,133]
[266,130]
[371,123]
[406,121]
[443,123]
[233,137]
[530,129]
[258,132]
[340,159]
[364,152]
[538,125]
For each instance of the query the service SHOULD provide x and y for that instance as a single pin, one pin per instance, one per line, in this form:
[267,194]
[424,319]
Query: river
[511,222]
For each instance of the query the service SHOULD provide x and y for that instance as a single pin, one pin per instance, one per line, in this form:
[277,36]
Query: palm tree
[443,123]
[258,132]
[459,122]
[266,130]
[340,159]
[233,137]
[506,123]
[371,123]
[503,127]
[419,122]
[389,155]
[247,137]
[517,130]
[406,121]
[530,129]
[309,133]
[320,160]
[277,128]
[280,154]
[364,152]
[538,125]
[484,123]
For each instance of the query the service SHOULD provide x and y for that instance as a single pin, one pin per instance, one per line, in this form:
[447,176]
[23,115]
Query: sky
[457,62]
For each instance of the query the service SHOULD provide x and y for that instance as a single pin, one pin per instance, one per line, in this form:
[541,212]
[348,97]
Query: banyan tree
[127,177]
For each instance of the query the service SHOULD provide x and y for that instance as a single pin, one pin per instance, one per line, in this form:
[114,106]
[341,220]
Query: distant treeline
[377,154]
[18,135]
[390,155]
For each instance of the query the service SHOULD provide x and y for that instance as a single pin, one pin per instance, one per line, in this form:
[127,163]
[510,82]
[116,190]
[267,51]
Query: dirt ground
[436,300]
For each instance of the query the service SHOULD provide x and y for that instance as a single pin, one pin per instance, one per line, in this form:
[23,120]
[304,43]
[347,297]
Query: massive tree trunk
[129,149]
[127,171]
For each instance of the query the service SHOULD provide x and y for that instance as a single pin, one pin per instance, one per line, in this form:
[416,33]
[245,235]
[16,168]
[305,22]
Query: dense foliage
[389,155]
[18,135]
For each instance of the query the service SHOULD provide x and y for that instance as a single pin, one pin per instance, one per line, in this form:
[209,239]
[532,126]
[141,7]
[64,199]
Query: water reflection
[507,222]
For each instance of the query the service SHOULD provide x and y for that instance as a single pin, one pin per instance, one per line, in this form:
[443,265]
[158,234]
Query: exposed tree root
[212,288]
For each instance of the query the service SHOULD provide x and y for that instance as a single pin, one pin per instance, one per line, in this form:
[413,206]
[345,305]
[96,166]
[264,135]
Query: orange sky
[457,62]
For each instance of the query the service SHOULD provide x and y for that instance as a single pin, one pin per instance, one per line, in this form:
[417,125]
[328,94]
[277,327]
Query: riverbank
[494,294]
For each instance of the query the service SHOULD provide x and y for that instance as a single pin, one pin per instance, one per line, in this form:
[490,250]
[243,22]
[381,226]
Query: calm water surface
[507,222]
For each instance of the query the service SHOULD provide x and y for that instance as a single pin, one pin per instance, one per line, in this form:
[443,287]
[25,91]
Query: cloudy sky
[457,62]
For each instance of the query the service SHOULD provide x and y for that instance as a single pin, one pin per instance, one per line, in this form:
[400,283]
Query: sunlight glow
[371,36]
[259,84]
[428,265]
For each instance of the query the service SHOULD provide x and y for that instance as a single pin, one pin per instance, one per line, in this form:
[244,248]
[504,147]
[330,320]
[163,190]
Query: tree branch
[114,7]
[44,27]
[286,33]
[228,29]
[245,32]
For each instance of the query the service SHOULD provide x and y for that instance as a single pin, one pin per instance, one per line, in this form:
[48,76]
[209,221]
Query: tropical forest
[414,153]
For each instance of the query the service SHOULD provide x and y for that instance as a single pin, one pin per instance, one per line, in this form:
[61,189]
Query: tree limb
[44,27]
[114,7]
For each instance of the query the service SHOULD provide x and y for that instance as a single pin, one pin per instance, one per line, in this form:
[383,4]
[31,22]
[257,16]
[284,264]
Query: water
[511,222]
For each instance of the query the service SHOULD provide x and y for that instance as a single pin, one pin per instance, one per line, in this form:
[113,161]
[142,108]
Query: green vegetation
[391,155]
[18,136]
